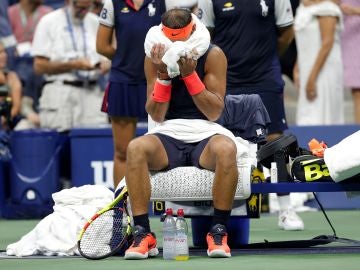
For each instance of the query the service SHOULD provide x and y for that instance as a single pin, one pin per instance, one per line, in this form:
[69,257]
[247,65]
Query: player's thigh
[219,148]
[150,149]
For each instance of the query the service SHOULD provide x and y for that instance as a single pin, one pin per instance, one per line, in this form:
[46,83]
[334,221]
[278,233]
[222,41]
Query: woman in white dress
[317,25]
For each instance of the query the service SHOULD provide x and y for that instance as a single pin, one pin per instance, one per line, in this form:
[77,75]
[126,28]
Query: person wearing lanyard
[64,51]
[125,96]
[24,17]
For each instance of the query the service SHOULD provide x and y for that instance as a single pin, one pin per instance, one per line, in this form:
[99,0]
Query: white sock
[284,202]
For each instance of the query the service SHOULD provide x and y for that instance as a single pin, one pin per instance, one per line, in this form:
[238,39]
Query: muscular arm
[211,101]
[286,35]
[156,110]
[104,41]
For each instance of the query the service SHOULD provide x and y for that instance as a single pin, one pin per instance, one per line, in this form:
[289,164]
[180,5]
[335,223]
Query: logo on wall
[103,173]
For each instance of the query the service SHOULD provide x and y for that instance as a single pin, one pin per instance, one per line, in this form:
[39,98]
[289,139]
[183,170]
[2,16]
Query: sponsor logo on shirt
[228,6]
[152,9]
[264,8]
[125,10]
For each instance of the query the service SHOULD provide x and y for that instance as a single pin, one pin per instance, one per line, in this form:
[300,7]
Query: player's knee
[135,152]
[226,150]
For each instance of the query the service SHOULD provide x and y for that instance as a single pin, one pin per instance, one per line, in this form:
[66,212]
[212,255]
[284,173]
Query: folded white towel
[343,159]
[195,130]
[199,40]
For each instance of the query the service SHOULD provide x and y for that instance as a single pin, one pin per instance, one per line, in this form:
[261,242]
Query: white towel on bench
[343,159]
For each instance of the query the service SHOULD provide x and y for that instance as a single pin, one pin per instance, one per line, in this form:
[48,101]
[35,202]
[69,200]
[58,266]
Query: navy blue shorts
[274,104]
[180,153]
[125,100]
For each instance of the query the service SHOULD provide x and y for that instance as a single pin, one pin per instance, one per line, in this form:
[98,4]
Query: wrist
[193,83]
[163,76]
[162,91]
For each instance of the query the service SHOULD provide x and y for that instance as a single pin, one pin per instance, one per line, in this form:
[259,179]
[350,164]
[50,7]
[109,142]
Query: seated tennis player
[186,107]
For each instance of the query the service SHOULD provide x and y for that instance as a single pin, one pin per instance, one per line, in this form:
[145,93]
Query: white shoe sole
[139,256]
[218,253]
[289,228]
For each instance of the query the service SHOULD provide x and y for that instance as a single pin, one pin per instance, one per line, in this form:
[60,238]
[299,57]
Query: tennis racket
[108,231]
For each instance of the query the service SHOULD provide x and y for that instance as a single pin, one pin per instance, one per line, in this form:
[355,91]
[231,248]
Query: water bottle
[273,173]
[181,237]
[169,228]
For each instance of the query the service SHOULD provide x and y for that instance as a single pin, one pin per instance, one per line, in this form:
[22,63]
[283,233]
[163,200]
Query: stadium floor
[334,256]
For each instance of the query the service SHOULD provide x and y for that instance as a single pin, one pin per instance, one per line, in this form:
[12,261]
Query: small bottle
[181,238]
[169,229]
[273,173]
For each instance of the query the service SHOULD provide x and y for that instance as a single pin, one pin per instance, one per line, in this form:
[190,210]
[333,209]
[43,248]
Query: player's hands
[187,64]
[157,53]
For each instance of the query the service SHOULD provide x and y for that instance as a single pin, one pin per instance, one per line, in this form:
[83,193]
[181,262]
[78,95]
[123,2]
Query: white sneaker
[290,221]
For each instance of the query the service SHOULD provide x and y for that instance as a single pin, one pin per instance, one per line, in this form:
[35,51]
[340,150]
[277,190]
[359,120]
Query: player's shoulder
[215,51]
[215,56]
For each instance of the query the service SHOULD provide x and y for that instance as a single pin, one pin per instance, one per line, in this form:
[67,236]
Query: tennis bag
[293,163]
[310,168]
[281,151]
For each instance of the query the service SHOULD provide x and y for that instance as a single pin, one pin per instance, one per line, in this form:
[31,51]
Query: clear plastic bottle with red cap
[169,231]
[181,237]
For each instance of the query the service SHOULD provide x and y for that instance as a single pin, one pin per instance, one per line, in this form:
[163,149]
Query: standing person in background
[189,4]
[97,6]
[350,41]
[125,96]
[252,35]
[64,50]
[321,95]
[288,59]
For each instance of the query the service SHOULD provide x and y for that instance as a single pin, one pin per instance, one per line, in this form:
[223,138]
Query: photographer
[10,93]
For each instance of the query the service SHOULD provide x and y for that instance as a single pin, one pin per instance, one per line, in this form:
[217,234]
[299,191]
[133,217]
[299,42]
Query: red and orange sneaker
[144,245]
[217,242]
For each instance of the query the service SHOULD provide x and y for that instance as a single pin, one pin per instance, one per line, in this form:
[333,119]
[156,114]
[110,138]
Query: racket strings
[105,234]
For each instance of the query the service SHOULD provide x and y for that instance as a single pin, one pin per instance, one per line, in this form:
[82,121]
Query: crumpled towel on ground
[57,233]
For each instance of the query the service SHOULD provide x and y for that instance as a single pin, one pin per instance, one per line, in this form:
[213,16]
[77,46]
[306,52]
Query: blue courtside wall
[331,135]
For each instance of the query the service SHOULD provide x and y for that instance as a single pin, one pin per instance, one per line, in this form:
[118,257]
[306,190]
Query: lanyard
[72,34]
[74,43]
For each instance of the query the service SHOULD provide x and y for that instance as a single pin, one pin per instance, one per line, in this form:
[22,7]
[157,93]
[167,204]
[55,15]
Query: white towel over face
[199,41]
